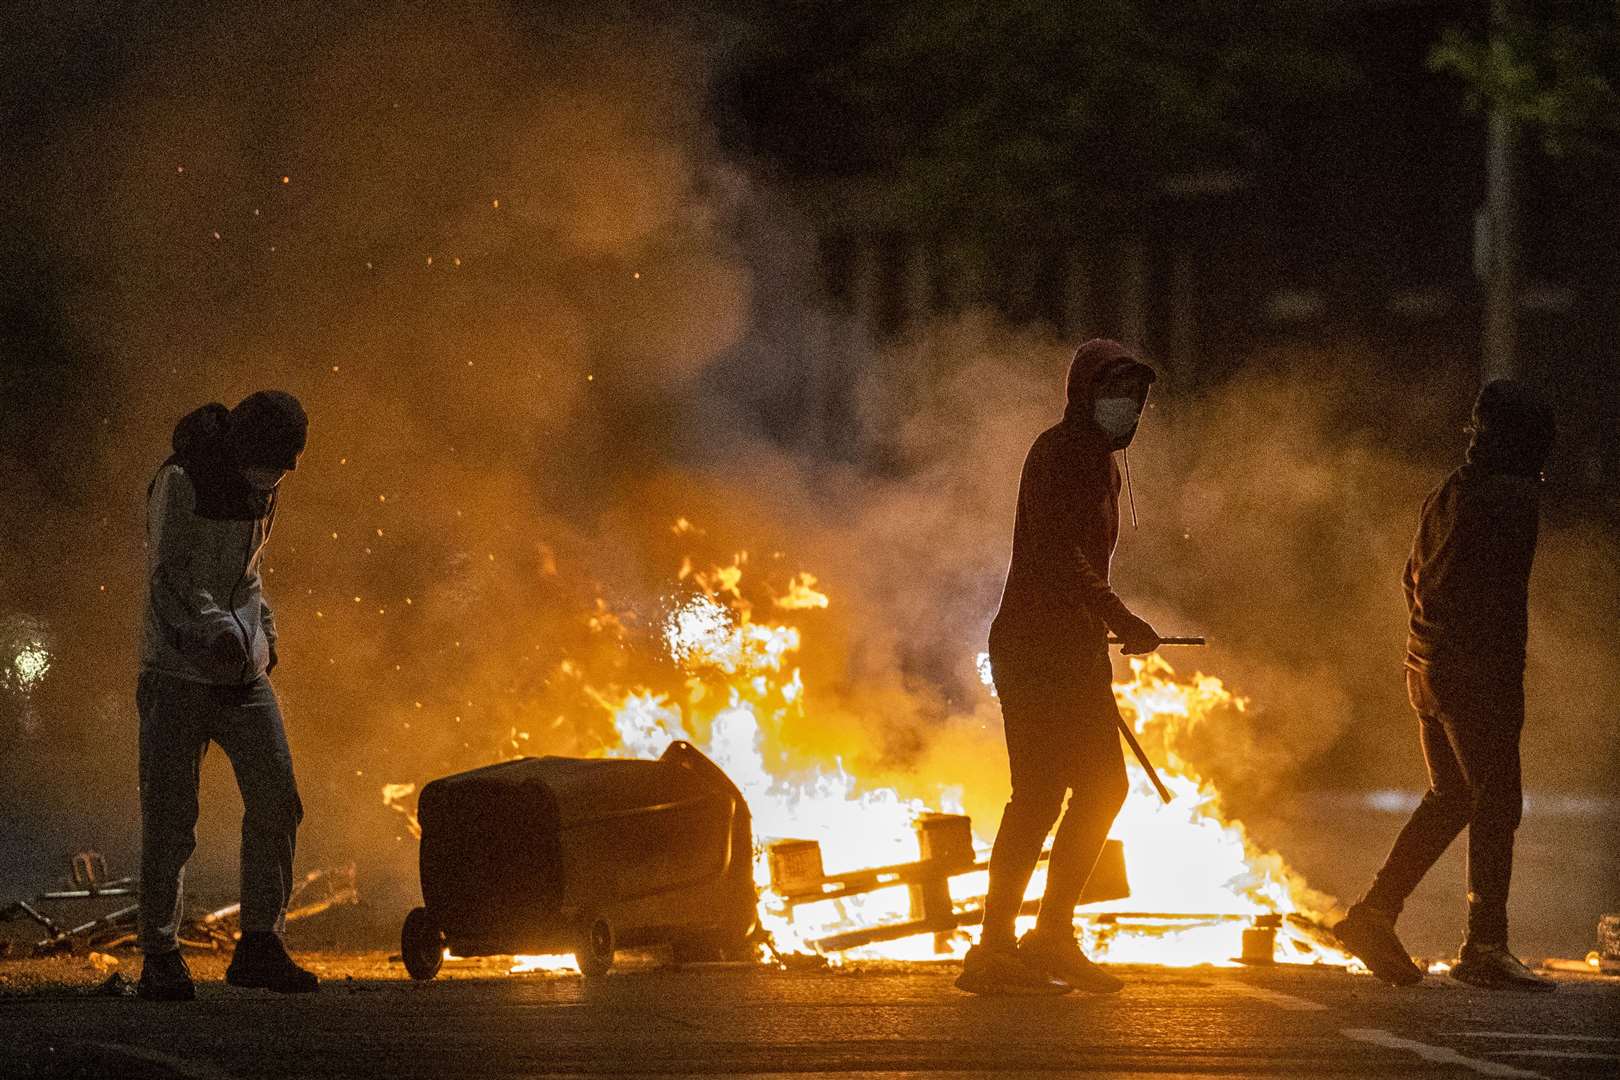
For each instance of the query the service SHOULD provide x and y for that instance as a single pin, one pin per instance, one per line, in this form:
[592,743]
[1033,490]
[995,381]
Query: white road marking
[1274,997]
[1583,1055]
[191,1070]
[1440,1055]
[1533,1036]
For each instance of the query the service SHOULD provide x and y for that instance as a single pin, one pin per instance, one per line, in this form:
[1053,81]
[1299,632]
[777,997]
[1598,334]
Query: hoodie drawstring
[1130,491]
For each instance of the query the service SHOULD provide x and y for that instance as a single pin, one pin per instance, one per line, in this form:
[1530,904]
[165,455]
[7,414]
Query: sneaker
[1000,971]
[261,963]
[1492,967]
[1369,935]
[165,977]
[1060,957]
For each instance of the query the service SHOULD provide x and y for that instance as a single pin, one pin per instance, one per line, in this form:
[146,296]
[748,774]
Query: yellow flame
[1197,880]
[395,797]
[1196,872]
[802,594]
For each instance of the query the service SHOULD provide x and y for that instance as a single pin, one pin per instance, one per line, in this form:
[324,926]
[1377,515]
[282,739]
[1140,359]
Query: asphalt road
[889,1020]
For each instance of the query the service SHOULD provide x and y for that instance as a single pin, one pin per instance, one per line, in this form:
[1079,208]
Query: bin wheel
[421,945]
[595,952]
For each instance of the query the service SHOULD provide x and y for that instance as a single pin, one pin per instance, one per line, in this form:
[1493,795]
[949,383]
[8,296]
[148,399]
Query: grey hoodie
[203,582]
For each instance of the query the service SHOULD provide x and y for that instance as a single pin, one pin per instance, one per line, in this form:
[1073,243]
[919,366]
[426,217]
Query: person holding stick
[1468,591]
[1049,661]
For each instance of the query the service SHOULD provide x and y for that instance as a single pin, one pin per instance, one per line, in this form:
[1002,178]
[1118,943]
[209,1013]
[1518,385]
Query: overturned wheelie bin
[554,854]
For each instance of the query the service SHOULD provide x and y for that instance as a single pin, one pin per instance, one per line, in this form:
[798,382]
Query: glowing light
[802,594]
[981,663]
[32,663]
[395,797]
[561,962]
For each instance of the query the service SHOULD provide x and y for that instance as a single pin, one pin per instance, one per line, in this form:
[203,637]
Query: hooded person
[208,646]
[1049,660]
[1467,588]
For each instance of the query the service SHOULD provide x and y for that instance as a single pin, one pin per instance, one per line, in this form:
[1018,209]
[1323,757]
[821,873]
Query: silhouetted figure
[1049,659]
[1468,587]
[207,650]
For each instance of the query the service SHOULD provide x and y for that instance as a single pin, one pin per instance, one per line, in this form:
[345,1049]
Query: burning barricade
[846,869]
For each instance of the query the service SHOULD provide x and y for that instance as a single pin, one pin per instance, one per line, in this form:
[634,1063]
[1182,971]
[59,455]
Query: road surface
[866,1021]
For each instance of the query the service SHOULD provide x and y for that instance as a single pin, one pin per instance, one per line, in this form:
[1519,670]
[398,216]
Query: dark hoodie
[1468,578]
[1067,523]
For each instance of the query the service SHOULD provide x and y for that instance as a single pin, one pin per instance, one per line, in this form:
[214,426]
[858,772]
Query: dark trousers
[1062,741]
[179,719]
[1470,735]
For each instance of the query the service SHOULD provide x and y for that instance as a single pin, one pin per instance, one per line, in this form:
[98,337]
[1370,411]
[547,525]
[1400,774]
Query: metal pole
[1502,253]
[1141,756]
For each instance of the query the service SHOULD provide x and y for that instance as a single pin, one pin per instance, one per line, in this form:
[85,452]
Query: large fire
[1197,883]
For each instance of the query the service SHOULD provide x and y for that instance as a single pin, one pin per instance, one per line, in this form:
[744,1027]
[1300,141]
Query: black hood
[1513,430]
[268,429]
[1090,361]
[202,448]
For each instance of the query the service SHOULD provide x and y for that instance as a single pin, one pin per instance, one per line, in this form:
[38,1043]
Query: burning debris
[849,869]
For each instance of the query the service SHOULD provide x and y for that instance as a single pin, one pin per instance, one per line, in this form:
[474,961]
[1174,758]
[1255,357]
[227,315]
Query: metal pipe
[1167,641]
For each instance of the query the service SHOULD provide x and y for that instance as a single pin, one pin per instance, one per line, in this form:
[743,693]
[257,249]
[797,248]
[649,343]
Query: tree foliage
[1026,109]
[1554,68]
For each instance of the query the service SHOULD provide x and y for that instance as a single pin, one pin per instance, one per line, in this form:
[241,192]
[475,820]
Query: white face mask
[1117,416]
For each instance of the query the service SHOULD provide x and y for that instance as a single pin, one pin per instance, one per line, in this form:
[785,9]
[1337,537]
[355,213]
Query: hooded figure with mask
[1467,589]
[1049,660]
[208,646]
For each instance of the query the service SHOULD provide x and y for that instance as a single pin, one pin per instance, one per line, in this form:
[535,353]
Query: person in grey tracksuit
[207,649]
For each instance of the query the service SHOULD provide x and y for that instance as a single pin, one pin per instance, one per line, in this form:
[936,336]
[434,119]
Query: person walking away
[1467,589]
[1049,661]
[207,650]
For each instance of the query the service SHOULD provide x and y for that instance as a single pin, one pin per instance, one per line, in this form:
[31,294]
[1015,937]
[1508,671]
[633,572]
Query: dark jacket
[1468,578]
[1057,592]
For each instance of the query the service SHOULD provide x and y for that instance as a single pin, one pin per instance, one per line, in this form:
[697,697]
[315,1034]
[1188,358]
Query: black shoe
[1369,935]
[1000,971]
[1060,957]
[1492,967]
[261,963]
[165,977]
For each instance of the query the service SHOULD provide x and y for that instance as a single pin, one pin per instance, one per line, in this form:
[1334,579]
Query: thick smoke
[537,322]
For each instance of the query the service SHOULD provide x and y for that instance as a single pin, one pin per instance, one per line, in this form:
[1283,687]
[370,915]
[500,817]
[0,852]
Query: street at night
[881,1020]
[933,538]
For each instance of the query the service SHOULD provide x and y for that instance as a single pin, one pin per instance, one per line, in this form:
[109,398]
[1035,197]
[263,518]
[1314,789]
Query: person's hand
[226,650]
[1136,636]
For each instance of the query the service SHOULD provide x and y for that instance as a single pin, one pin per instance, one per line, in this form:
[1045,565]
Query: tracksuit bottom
[1470,736]
[1062,741]
[179,718]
